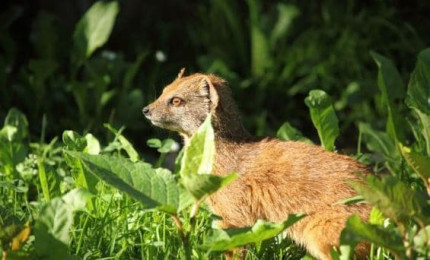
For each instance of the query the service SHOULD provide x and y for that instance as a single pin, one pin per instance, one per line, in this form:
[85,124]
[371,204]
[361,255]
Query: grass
[53,207]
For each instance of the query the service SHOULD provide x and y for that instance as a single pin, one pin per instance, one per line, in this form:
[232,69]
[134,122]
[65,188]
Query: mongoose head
[186,102]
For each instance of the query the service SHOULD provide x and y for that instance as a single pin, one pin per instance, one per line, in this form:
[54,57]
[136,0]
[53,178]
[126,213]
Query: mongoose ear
[181,73]
[207,89]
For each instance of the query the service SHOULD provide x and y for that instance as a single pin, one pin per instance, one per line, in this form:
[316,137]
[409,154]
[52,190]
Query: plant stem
[184,237]
[160,160]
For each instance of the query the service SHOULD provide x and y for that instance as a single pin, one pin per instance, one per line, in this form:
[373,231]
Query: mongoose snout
[277,178]
[146,112]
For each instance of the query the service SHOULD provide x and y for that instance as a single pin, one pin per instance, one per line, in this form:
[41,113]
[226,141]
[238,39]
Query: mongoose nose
[146,111]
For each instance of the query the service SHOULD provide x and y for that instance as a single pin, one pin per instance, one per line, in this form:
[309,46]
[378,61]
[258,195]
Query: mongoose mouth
[163,124]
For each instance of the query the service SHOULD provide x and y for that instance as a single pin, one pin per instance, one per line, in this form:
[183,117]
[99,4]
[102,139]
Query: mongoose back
[277,178]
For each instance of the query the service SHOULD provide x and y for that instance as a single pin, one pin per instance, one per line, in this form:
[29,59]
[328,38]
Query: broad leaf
[57,215]
[391,86]
[323,117]
[94,28]
[93,144]
[88,144]
[206,184]
[53,224]
[356,230]
[418,96]
[197,163]
[395,199]
[222,240]
[154,188]
[288,132]
[199,153]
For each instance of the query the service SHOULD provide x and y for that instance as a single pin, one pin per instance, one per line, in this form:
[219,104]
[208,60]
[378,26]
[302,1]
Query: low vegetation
[94,196]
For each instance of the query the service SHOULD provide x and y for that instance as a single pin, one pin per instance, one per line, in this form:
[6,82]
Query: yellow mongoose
[277,177]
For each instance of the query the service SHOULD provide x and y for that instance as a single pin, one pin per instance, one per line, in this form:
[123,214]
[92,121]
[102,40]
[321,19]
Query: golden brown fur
[277,178]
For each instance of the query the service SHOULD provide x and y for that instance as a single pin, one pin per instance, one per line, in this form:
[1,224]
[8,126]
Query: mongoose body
[277,178]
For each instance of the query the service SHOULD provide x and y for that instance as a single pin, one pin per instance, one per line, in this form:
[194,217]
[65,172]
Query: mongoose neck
[228,127]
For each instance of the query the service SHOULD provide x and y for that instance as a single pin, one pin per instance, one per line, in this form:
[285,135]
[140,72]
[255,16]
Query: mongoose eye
[175,101]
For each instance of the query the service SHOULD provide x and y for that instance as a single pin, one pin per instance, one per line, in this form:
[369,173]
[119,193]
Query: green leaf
[94,28]
[197,163]
[167,146]
[222,240]
[164,146]
[376,217]
[199,153]
[205,184]
[53,224]
[126,145]
[154,188]
[286,14]
[8,133]
[261,59]
[395,199]
[378,141]
[43,179]
[391,86]
[352,200]
[419,163]
[74,141]
[93,145]
[76,199]
[288,132]
[381,142]
[57,218]
[421,241]
[356,230]
[185,199]
[323,117]
[17,119]
[418,95]
[88,144]
[12,146]
[154,143]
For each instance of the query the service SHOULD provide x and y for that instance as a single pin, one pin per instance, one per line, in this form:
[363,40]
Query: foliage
[401,198]
[323,117]
[278,52]
[92,196]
